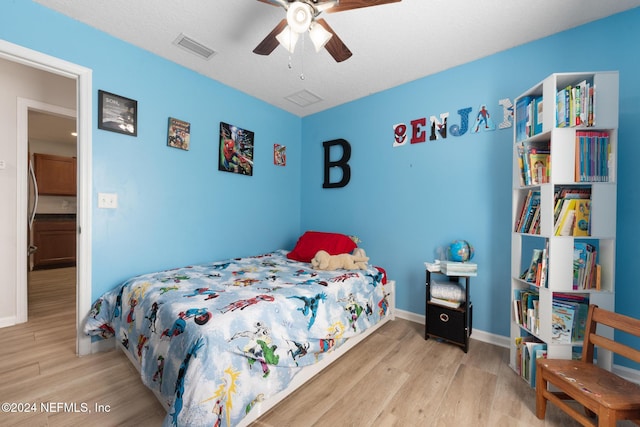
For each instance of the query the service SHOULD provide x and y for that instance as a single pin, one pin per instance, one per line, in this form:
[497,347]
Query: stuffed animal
[323,261]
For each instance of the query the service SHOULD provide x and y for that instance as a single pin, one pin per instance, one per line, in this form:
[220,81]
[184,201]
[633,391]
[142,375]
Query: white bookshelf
[562,146]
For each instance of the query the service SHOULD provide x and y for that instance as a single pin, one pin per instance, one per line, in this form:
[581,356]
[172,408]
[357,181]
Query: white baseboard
[629,374]
[476,334]
[412,317]
[103,345]
[7,321]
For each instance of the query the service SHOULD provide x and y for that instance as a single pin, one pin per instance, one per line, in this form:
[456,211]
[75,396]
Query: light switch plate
[107,200]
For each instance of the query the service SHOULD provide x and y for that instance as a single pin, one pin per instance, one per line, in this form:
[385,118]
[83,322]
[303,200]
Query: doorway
[82,77]
[52,196]
[52,205]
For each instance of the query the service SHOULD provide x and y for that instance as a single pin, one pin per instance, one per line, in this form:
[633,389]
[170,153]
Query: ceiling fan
[302,16]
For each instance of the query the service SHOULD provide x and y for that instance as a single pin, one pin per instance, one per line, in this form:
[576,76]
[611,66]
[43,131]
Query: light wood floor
[393,378]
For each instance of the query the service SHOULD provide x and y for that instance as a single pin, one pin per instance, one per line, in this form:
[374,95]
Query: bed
[220,343]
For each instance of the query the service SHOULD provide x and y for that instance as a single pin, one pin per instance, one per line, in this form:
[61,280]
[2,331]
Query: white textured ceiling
[391,44]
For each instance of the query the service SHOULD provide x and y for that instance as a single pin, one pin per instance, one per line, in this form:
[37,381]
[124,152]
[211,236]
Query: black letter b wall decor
[342,163]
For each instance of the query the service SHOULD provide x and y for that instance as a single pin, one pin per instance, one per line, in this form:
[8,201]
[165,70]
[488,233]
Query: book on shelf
[529,219]
[591,118]
[584,266]
[525,308]
[578,97]
[566,205]
[592,156]
[522,117]
[572,192]
[579,305]
[571,203]
[534,161]
[520,159]
[517,310]
[518,358]
[544,266]
[528,349]
[528,116]
[539,167]
[575,105]
[520,344]
[541,353]
[569,317]
[562,107]
[537,115]
[533,273]
[453,268]
[582,225]
[561,322]
[565,225]
[531,351]
[533,319]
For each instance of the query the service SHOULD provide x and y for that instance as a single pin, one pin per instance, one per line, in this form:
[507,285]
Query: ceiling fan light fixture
[288,39]
[319,36]
[299,16]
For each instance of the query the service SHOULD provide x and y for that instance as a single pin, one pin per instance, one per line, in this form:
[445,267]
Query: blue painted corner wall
[404,202]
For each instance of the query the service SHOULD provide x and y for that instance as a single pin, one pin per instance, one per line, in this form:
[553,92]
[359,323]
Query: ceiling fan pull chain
[302,61]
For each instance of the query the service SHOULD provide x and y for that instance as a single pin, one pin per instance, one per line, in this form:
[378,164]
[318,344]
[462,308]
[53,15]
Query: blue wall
[406,201]
[176,208]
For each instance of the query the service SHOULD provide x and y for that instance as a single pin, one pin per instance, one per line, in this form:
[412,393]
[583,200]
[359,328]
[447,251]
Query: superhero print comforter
[216,339]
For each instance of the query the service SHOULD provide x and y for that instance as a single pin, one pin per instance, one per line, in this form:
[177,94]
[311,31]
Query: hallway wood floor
[393,378]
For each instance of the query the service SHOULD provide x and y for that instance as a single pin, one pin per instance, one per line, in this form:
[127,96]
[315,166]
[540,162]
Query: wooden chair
[600,392]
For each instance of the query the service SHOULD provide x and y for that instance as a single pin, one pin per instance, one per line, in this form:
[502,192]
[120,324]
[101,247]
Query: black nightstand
[452,324]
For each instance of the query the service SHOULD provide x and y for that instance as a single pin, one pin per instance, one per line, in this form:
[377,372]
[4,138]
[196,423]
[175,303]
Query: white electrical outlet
[3,164]
[107,200]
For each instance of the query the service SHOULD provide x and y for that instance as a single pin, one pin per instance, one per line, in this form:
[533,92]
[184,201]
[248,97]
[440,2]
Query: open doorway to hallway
[52,208]
[14,250]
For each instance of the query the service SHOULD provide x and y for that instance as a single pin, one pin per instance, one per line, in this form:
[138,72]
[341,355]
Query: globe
[460,251]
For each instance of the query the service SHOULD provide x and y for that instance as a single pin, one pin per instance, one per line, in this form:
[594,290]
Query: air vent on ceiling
[193,46]
[304,98]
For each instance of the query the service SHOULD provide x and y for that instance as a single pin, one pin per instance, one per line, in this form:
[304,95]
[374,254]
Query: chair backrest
[616,321]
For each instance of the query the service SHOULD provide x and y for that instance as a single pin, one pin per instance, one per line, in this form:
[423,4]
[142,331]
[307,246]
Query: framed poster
[178,134]
[236,150]
[279,155]
[117,113]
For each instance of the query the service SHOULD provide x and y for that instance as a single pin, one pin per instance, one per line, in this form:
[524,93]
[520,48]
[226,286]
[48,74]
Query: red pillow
[313,241]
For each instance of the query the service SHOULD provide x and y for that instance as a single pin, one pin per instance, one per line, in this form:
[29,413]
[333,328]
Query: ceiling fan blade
[335,46]
[357,4]
[326,5]
[270,42]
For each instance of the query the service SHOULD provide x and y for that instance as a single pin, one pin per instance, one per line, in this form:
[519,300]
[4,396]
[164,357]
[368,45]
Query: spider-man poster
[236,150]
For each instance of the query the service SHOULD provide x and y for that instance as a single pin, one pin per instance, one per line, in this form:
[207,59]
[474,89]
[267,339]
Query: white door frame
[83,76]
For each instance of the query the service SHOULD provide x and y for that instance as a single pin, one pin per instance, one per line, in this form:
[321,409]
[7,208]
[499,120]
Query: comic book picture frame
[279,155]
[178,134]
[117,113]
[235,150]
